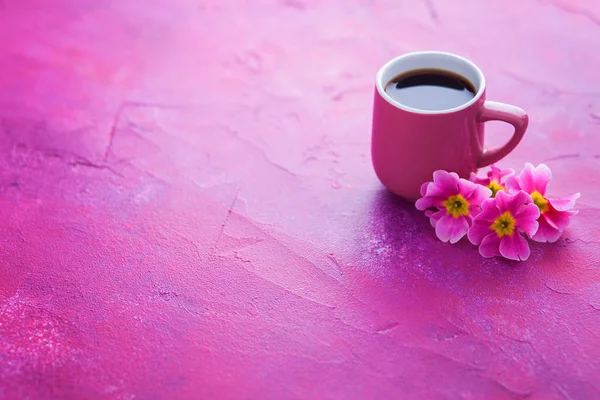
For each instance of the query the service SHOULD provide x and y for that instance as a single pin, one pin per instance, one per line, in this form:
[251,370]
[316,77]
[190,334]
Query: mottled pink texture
[188,208]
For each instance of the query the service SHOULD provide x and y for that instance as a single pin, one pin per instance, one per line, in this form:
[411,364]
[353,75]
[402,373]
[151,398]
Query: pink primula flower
[555,213]
[495,180]
[451,203]
[498,229]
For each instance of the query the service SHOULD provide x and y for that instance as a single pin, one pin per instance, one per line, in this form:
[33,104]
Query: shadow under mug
[409,144]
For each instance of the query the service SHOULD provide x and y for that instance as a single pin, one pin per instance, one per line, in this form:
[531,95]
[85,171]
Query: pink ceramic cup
[409,144]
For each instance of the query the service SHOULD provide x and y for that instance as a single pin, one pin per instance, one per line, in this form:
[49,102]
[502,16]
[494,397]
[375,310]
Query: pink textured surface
[188,208]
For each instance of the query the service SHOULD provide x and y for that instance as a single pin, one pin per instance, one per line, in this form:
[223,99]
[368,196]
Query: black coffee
[430,89]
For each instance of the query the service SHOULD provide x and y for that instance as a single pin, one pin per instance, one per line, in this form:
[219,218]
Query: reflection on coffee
[430,89]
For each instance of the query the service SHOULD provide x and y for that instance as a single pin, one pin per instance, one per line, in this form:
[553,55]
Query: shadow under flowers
[400,245]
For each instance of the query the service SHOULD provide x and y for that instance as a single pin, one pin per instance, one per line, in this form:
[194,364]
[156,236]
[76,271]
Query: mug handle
[494,111]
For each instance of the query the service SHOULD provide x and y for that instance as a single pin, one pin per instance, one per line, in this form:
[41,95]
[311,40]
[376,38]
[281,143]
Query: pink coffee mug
[409,144]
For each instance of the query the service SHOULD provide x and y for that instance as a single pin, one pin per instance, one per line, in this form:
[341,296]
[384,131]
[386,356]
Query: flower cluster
[497,212]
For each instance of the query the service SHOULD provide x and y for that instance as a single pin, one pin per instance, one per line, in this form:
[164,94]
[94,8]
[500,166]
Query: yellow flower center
[540,201]
[504,224]
[456,206]
[495,187]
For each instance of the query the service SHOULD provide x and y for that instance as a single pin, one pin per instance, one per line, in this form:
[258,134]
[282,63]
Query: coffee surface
[430,89]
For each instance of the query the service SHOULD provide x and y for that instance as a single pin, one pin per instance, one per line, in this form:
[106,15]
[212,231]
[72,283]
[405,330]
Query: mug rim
[381,85]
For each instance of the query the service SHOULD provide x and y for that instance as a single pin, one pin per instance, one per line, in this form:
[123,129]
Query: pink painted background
[188,208]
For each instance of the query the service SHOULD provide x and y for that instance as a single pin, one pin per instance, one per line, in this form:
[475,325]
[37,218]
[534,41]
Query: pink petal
[514,247]
[478,231]
[490,246]
[526,218]
[512,202]
[478,194]
[434,216]
[489,204]
[489,211]
[565,204]
[424,188]
[429,201]
[546,232]
[424,203]
[474,210]
[502,201]
[445,184]
[498,174]
[542,175]
[527,178]
[512,184]
[493,171]
[469,219]
[558,219]
[446,179]
[451,229]
[509,190]
[435,190]
[466,187]
[480,181]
